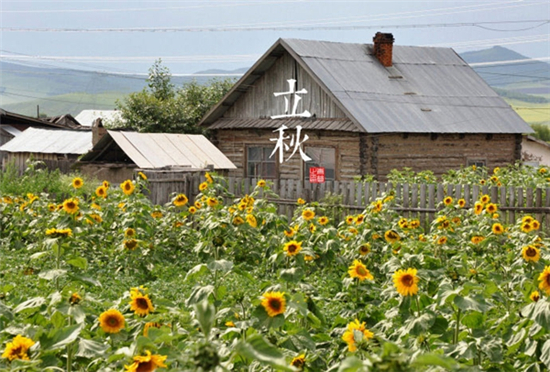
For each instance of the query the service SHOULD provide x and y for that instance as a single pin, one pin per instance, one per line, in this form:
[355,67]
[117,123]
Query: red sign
[317,175]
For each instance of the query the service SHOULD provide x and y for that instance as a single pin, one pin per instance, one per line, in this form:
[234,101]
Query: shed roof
[164,150]
[50,141]
[87,117]
[427,90]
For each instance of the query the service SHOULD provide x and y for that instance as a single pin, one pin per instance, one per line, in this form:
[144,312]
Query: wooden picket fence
[341,198]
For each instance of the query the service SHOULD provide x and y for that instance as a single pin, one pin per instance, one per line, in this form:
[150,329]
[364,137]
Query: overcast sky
[127,36]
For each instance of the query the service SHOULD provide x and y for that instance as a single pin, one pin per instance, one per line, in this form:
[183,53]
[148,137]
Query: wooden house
[365,108]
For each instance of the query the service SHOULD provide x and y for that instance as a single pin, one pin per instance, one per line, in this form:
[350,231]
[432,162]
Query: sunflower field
[106,281]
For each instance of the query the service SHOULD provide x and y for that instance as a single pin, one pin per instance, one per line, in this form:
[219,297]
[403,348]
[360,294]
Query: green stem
[457,328]
[357,292]
[417,305]
[69,353]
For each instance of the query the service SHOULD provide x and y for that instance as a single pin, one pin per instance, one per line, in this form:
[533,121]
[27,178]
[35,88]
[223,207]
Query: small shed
[59,149]
[116,155]
[535,152]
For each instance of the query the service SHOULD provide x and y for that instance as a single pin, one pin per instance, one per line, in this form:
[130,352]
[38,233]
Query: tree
[162,108]
[542,132]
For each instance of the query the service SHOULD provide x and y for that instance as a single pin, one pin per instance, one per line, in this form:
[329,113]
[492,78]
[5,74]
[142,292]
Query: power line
[276,28]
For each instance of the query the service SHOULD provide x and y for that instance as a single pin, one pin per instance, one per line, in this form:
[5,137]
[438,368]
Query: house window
[321,157]
[477,162]
[258,163]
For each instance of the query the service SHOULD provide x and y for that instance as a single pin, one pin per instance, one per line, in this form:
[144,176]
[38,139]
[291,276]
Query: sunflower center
[361,271]
[275,304]
[113,322]
[531,252]
[142,303]
[292,248]
[70,205]
[146,366]
[127,186]
[407,280]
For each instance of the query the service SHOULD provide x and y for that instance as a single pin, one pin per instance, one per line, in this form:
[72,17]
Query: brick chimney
[98,131]
[383,48]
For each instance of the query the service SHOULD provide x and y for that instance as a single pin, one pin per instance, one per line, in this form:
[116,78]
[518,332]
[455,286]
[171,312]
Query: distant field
[532,112]
[72,103]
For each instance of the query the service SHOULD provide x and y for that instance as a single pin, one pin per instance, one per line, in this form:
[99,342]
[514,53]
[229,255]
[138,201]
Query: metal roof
[87,117]
[11,130]
[325,124]
[427,90]
[164,150]
[50,141]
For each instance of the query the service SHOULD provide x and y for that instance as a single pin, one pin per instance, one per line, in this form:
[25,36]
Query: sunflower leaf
[199,294]
[197,272]
[205,314]
[292,275]
[257,348]
[90,348]
[30,304]
[52,274]
[60,337]
[476,302]
[220,265]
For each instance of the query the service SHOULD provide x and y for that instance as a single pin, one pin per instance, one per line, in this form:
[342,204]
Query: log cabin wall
[439,152]
[259,101]
[233,143]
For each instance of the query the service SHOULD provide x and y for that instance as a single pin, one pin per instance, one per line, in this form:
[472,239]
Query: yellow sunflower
[106,184]
[111,321]
[448,201]
[127,187]
[212,202]
[95,206]
[289,233]
[192,210]
[75,299]
[142,176]
[491,208]
[477,239]
[535,224]
[140,303]
[208,177]
[442,240]
[147,363]
[526,227]
[292,248]
[238,220]
[377,206]
[261,183]
[349,335]
[323,220]
[156,214]
[274,303]
[299,361]
[478,208]
[70,206]
[129,232]
[350,220]
[391,236]
[530,253]
[544,279]
[413,224]
[406,282]
[364,249]
[203,186]
[497,229]
[180,200]
[101,191]
[485,199]
[57,233]
[301,201]
[461,203]
[308,214]
[150,325]
[312,228]
[251,220]
[17,348]
[359,271]
[534,296]
[198,204]
[77,182]
[359,219]
[130,244]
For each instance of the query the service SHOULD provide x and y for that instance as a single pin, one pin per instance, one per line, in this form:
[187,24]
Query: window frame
[305,173]
[246,161]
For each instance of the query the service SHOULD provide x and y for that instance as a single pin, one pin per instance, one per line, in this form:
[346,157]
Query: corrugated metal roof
[426,90]
[161,150]
[11,130]
[325,124]
[87,117]
[50,141]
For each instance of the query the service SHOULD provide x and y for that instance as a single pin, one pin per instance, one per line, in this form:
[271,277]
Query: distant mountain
[60,91]
[530,77]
